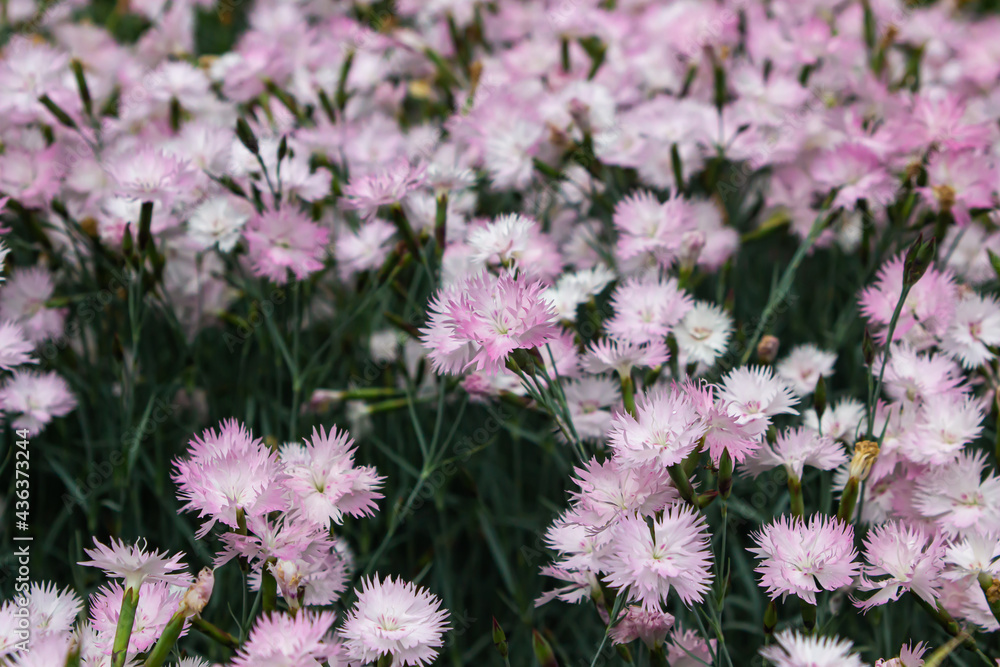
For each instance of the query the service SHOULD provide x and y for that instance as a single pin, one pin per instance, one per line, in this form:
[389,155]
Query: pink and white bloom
[804,366]
[283,241]
[296,641]
[36,398]
[675,554]
[804,558]
[795,449]
[394,617]
[900,558]
[667,429]
[136,565]
[792,649]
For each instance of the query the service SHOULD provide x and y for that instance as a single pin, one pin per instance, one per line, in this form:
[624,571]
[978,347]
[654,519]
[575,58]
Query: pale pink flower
[229,472]
[926,313]
[649,625]
[325,480]
[703,333]
[648,227]
[495,315]
[37,398]
[966,558]
[856,172]
[974,329]
[23,300]
[674,554]
[610,354]
[647,309]
[51,611]
[389,186]
[912,377]
[135,565]
[804,558]
[217,221]
[957,497]
[900,558]
[363,249]
[840,421]
[295,641]
[795,449]
[15,349]
[945,424]
[157,605]
[667,430]
[394,617]
[957,182]
[283,241]
[792,649]
[909,656]
[608,491]
[804,366]
[751,394]
[688,649]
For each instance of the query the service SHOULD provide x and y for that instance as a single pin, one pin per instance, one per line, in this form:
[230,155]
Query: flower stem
[795,496]
[268,587]
[808,615]
[682,483]
[849,500]
[628,394]
[213,632]
[770,620]
[126,619]
[166,642]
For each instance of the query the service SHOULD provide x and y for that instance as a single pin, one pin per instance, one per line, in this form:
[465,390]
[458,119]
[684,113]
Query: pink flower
[135,565]
[290,536]
[795,449]
[394,617]
[802,559]
[157,605]
[364,249]
[856,172]
[974,329]
[688,649]
[909,656]
[792,649]
[944,426]
[610,354]
[285,240]
[151,175]
[326,482]
[367,193]
[674,554]
[647,309]
[804,366]
[229,472]
[904,558]
[295,641]
[958,181]
[23,300]
[37,397]
[494,316]
[648,227]
[607,491]
[667,430]
[649,625]
[957,498]
[931,302]
[752,395]
[15,349]
[936,122]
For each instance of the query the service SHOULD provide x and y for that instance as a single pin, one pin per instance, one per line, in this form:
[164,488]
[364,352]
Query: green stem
[784,285]
[873,398]
[158,656]
[268,587]
[126,619]
[682,483]
[770,619]
[808,615]
[725,474]
[849,500]
[628,395]
[213,632]
[795,496]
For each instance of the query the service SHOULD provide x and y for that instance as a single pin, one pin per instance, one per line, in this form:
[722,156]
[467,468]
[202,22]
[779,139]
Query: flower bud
[767,349]
[865,455]
[198,595]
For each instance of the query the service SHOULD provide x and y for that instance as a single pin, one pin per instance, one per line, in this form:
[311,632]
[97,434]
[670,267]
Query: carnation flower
[283,241]
[944,426]
[667,430]
[688,649]
[394,617]
[157,605]
[367,193]
[751,394]
[647,309]
[703,333]
[589,401]
[795,449]
[804,366]
[609,354]
[649,625]
[326,482]
[229,472]
[903,558]
[801,558]
[37,398]
[50,610]
[494,315]
[931,302]
[364,249]
[289,536]
[135,565]
[974,329]
[648,227]
[292,641]
[840,421]
[674,554]
[23,300]
[957,497]
[909,656]
[15,349]
[975,553]
[502,241]
[792,649]
[217,222]
[608,491]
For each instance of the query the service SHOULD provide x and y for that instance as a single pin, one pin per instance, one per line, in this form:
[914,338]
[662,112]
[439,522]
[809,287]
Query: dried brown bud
[199,593]
[865,455]
[767,349]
